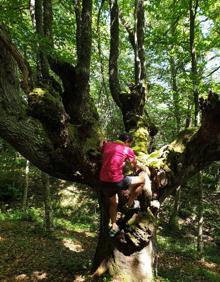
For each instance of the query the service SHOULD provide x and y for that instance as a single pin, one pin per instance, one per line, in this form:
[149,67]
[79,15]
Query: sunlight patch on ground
[90,234]
[35,276]
[210,265]
[79,279]
[38,275]
[73,246]
[2,238]
[22,277]
[69,196]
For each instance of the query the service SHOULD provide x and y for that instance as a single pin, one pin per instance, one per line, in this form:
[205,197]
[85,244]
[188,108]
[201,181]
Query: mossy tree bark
[44,129]
[132,102]
[170,166]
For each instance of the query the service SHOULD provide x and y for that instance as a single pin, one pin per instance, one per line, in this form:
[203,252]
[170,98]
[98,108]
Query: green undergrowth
[66,253]
[31,215]
[179,262]
[73,208]
[30,253]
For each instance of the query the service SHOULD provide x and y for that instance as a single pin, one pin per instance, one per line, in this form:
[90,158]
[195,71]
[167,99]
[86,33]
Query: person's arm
[138,165]
[135,164]
[101,144]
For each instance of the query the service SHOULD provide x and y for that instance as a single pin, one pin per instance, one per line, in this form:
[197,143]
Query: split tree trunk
[130,255]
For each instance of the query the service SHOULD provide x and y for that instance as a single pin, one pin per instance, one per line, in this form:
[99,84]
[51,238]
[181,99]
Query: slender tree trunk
[42,16]
[103,249]
[139,43]
[188,120]
[173,70]
[137,90]
[114,52]
[26,186]
[173,216]
[32,12]
[42,19]
[172,221]
[200,216]
[103,86]
[47,20]
[194,73]
[175,93]
[48,219]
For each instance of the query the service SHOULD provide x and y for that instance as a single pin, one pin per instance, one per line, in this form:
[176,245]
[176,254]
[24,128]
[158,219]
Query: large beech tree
[54,124]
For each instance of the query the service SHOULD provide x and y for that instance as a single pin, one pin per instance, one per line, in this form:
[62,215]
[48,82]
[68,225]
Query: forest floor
[28,253]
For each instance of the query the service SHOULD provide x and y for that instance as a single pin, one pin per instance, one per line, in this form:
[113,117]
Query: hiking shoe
[113,232]
[155,204]
[134,206]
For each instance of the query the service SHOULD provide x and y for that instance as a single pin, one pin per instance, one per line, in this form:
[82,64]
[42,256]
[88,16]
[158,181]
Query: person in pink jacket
[114,156]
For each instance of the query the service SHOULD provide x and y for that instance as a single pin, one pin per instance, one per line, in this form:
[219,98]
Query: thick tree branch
[192,151]
[85,37]
[194,71]
[103,83]
[22,63]
[53,144]
[129,30]
[139,42]
[43,19]
[213,71]
[77,10]
[114,52]
[47,19]
[131,103]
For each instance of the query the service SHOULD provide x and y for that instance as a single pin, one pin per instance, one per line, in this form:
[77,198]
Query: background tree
[48,217]
[25,193]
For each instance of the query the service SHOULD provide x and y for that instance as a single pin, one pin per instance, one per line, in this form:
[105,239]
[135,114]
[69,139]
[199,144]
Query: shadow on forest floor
[178,261]
[178,268]
[27,254]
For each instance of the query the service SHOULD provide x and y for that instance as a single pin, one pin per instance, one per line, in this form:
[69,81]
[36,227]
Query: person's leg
[137,184]
[135,191]
[135,180]
[113,204]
